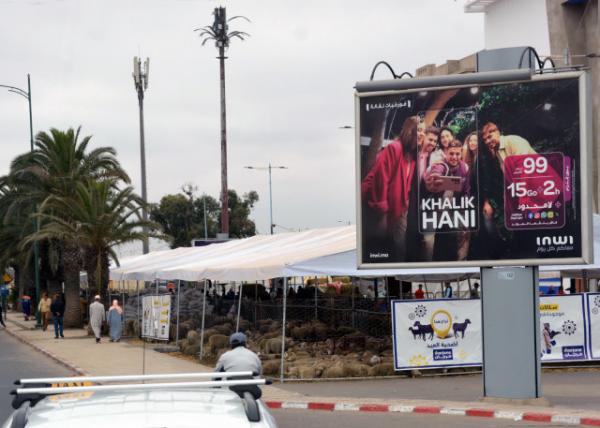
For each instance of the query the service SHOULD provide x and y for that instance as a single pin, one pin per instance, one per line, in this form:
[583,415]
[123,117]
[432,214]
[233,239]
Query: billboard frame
[585,160]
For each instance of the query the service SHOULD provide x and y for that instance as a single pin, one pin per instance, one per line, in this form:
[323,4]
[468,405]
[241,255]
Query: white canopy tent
[329,251]
[251,259]
[344,264]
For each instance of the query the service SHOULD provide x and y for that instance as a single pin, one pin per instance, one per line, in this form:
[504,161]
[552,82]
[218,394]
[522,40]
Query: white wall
[517,23]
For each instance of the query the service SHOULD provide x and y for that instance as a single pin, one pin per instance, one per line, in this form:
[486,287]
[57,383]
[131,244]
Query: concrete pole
[224,190]
[140,91]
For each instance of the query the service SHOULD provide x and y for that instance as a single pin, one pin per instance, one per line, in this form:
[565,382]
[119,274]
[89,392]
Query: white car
[182,404]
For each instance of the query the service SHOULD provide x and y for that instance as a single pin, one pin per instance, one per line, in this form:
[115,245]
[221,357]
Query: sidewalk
[81,354]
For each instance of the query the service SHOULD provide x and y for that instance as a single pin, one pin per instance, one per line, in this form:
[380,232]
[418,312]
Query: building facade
[566,31]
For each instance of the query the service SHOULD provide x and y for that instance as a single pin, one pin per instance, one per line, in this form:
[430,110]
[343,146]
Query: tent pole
[425,282]
[239,308]
[316,307]
[137,289]
[123,318]
[352,296]
[469,284]
[458,287]
[177,327]
[202,327]
[387,292]
[255,301]
[283,327]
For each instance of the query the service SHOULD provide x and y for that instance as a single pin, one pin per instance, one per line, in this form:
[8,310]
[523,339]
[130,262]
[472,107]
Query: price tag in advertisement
[534,191]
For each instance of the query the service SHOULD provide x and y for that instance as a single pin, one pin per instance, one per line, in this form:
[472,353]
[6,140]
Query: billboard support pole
[511,375]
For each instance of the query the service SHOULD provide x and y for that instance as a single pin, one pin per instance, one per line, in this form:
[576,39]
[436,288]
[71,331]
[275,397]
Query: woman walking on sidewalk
[115,320]
[58,312]
[44,309]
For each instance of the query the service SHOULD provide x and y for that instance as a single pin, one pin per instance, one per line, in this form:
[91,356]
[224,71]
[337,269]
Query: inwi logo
[555,240]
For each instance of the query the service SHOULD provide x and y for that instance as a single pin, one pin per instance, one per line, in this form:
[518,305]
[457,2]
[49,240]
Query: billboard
[476,175]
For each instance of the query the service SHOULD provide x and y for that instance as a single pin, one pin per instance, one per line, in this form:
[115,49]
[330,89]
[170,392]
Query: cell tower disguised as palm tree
[219,32]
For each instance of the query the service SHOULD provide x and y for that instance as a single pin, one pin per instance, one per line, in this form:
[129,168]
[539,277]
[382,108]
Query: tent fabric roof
[344,264]
[251,259]
[329,251]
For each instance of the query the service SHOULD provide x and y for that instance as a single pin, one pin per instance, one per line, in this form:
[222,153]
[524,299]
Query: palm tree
[58,163]
[16,224]
[219,32]
[97,217]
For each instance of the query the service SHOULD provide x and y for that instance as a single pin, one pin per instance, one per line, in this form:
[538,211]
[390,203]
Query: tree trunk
[104,271]
[97,268]
[20,279]
[50,279]
[71,262]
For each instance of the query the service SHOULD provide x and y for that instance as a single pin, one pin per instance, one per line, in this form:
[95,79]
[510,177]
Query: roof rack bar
[140,386]
[127,378]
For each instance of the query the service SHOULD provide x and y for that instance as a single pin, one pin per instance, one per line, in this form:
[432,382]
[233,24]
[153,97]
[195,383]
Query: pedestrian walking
[97,317]
[44,309]
[1,313]
[57,308]
[474,292]
[115,321]
[448,291]
[26,306]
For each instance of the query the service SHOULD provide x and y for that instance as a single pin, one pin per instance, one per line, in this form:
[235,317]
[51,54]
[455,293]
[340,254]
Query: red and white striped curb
[400,408]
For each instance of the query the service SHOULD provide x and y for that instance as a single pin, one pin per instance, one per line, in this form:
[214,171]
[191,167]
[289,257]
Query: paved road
[566,388]
[18,360]
[323,419]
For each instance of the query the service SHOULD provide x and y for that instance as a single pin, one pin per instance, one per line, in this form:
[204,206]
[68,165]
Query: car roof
[160,408]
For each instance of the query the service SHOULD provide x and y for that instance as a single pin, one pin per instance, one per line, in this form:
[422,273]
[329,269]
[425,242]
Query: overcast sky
[289,87]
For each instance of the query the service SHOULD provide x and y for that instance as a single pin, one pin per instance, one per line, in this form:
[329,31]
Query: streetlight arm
[265,168]
[16,90]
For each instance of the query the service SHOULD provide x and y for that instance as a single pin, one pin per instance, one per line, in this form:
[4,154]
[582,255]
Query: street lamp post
[140,79]
[269,168]
[36,249]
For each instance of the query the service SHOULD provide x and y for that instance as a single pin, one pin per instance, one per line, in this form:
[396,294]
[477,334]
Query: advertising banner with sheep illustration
[563,328]
[593,322]
[156,315]
[436,333]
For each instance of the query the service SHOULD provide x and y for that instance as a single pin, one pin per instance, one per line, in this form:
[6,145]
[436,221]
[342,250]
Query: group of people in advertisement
[455,191]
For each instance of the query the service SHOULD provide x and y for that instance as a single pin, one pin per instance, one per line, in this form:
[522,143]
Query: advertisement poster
[436,333]
[593,316]
[479,176]
[162,311]
[156,315]
[562,328]
[147,316]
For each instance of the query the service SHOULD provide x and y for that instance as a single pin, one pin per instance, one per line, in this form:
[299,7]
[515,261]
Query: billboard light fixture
[486,77]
